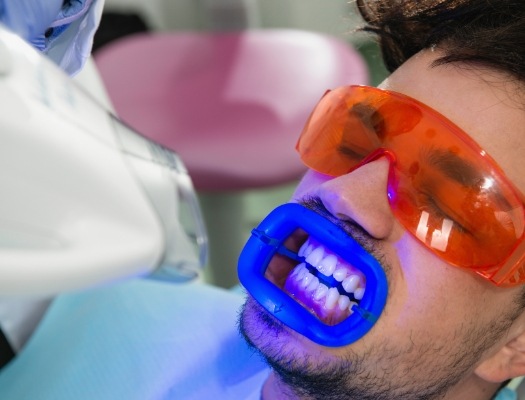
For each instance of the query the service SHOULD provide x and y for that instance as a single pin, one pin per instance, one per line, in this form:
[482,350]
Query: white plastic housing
[75,206]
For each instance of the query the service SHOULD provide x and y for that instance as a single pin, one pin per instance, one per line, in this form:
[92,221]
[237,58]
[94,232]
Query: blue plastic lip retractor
[267,240]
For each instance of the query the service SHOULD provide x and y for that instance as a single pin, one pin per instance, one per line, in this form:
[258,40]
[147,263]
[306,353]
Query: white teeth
[303,249]
[295,271]
[327,265]
[320,292]
[340,274]
[308,250]
[331,298]
[315,257]
[351,283]
[343,302]
[359,292]
[307,279]
[302,271]
[313,284]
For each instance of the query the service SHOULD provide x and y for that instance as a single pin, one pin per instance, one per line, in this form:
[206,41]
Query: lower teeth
[302,282]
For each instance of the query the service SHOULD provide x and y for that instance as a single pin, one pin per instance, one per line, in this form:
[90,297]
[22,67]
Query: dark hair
[486,32]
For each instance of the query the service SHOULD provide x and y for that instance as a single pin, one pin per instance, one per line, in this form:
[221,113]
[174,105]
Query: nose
[361,196]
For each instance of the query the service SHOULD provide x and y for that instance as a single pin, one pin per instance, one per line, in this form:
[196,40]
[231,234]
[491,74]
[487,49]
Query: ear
[508,362]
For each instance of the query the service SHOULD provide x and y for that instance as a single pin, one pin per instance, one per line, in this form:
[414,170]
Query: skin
[445,333]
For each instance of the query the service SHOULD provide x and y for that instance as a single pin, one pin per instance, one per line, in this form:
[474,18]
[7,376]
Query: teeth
[307,279]
[315,257]
[295,271]
[340,274]
[331,298]
[301,271]
[343,302]
[320,292]
[306,249]
[351,283]
[359,292]
[327,265]
[313,284]
[303,249]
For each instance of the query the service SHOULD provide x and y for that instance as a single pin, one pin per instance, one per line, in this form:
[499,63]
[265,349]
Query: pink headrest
[231,104]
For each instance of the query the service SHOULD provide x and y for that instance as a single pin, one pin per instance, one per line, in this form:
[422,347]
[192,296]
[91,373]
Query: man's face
[440,322]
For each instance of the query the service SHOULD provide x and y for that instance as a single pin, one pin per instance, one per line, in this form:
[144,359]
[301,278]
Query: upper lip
[352,228]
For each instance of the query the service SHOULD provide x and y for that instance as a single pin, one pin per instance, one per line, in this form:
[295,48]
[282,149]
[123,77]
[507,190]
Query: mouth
[313,276]
[321,281]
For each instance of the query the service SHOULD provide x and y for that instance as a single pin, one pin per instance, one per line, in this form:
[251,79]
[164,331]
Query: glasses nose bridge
[377,154]
[391,159]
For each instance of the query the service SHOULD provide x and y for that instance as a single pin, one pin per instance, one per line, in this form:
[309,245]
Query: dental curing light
[85,199]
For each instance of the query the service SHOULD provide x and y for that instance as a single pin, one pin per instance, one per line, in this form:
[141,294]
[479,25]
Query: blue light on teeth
[267,240]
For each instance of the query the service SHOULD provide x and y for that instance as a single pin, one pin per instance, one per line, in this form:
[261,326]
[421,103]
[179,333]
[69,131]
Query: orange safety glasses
[442,187]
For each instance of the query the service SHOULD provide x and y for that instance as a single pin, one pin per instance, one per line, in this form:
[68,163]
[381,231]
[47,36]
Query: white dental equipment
[84,199]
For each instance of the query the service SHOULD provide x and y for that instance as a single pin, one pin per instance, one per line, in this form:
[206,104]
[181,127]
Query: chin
[275,341]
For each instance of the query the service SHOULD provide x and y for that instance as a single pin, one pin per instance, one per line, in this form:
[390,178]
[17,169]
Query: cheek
[434,291]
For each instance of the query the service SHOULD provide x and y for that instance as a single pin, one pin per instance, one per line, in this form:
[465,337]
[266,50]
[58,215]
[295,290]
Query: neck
[274,389]
[473,388]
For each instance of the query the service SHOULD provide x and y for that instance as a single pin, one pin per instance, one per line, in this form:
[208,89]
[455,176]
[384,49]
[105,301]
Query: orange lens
[442,186]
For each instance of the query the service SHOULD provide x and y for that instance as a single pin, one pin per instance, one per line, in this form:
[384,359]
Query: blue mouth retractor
[267,240]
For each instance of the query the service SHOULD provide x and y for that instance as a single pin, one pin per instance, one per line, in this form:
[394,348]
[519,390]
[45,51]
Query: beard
[426,370]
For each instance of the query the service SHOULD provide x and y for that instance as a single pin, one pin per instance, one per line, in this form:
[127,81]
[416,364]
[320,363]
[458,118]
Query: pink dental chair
[232,105]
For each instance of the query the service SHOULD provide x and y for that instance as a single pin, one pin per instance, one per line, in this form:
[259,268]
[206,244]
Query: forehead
[482,102]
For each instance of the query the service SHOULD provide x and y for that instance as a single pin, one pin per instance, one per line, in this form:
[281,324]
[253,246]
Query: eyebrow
[368,115]
[461,171]
[371,119]
[454,167]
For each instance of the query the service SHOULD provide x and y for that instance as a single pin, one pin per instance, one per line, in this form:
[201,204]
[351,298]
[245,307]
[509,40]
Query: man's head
[445,331]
